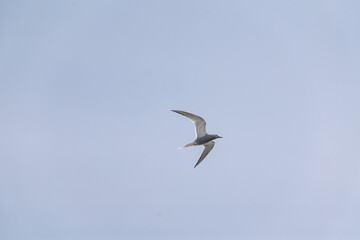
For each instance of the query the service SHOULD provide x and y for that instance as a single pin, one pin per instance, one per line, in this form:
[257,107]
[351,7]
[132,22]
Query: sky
[88,142]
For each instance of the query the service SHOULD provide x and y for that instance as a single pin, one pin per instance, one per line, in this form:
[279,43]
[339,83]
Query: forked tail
[187,145]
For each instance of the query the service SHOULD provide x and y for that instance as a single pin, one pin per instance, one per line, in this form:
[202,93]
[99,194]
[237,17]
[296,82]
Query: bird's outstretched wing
[199,122]
[208,146]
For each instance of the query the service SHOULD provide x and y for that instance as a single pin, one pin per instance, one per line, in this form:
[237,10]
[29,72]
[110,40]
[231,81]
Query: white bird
[202,138]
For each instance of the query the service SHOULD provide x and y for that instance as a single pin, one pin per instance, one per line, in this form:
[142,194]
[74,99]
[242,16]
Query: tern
[202,138]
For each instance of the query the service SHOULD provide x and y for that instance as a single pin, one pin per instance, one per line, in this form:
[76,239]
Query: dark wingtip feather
[197,164]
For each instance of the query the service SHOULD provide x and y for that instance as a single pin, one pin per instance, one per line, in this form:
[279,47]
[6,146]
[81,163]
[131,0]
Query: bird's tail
[187,145]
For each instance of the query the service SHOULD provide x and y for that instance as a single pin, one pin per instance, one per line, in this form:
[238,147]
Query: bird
[202,138]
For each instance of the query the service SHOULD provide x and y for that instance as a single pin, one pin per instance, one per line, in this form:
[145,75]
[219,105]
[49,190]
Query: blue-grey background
[88,144]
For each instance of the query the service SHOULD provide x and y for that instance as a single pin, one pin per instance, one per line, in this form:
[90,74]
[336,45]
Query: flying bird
[202,138]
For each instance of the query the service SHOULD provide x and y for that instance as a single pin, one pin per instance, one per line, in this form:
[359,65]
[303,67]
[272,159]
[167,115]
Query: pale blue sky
[88,144]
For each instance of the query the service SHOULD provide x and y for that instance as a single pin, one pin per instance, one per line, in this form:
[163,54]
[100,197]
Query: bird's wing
[199,122]
[208,146]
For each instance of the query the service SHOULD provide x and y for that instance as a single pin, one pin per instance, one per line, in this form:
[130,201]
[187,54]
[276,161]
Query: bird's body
[202,138]
[205,139]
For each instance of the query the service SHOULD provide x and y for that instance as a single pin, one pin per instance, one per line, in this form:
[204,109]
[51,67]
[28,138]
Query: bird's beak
[220,137]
